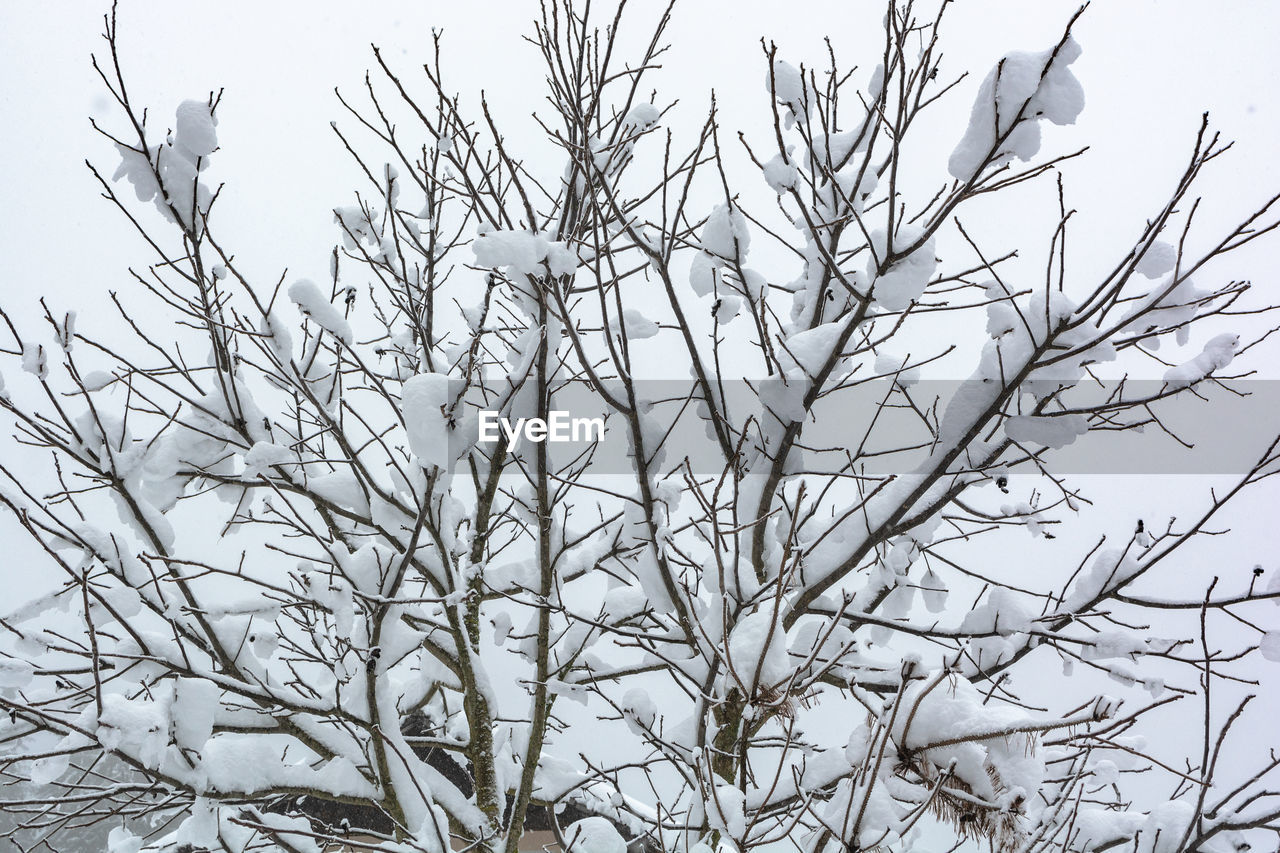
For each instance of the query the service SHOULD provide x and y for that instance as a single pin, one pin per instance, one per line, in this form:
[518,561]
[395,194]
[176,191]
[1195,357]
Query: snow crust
[1020,92]
[312,303]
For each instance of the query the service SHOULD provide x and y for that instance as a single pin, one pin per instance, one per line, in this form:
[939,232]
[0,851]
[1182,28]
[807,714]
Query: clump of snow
[15,673]
[35,360]
[812,348]
[135,166]
[65,332]
[311,302]
[784,397]
[727,811]
[623,602]
[522,251]
[757,642]
[1157,260]
[1110,569]
[1023,89]
[1269,645]
[933,590]
[200,829]
[858,746]
[636,324]
[356,225]
[642,116]
[124,600]
[702,273]
[896,367]
[49,768]
[277,337]
[167,174]
[265,643]
[905,280]
[1113,644]
[594,835]
[727,308]
[955,710]
[1055,432]
[1002,613]
[336,595]
[1165,826]
[121,840]
[561,260]
[96,380]
[1094,828]
[194,128]
[138,728]
[639,710]
[787,84]
[342,487]
[725,240]
[262,456]
[780,174]
[1217,354]
[725,234]
[423,399]
[195,703]
[1170,305]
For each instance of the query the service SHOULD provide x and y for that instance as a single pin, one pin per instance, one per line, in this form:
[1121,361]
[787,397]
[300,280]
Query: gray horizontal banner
[877,427]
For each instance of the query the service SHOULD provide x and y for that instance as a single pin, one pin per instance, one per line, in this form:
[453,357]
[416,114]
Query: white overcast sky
[1149,68]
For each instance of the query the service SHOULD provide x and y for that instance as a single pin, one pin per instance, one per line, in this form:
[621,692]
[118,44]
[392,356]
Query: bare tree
[334,579]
